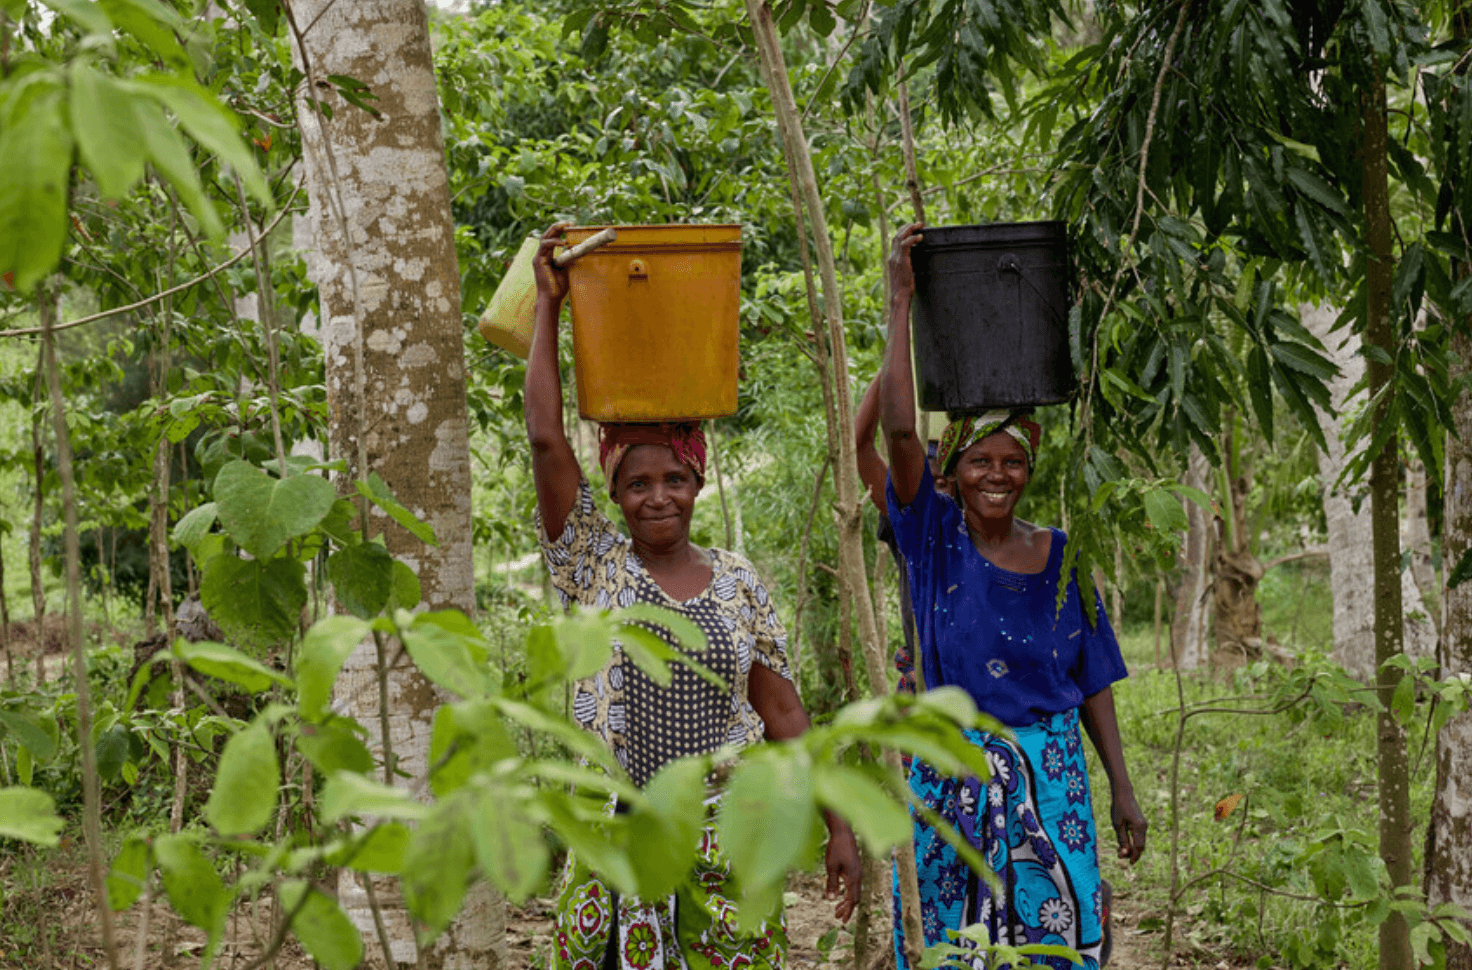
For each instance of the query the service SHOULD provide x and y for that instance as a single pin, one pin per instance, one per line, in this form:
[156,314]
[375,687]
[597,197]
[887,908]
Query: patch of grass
[1296,795]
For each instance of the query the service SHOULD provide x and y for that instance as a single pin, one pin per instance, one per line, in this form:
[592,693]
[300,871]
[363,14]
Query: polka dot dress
[593,564]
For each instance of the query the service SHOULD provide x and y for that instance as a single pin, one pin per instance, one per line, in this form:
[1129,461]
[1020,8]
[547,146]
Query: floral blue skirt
[1033,822]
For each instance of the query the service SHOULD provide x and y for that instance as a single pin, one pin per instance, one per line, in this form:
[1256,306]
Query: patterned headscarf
[685,439]
[964,432]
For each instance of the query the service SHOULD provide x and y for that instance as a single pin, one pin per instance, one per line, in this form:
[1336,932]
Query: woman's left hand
[1129,826]
[842,861]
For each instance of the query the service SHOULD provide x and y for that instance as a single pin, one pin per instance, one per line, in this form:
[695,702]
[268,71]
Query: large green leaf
[106,129]
[35,159]
[377,489]
[129,874]
[876,817]
[766,818]
[663,836]
[321,925]
[254,601]
[89,16]
[152,23]
[449,659]
[36,732]
[228,664]
[195,525]
[170,156]
[262,512]
[437,865]
[347,794]
[193,886]
[246,786]
[381,849]
[331,749]
[508,845]
[362,576]
[211,124]
[29,815]
[324,650]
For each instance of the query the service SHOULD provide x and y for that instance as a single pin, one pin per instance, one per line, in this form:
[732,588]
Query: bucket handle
[586,246]
[1009,263]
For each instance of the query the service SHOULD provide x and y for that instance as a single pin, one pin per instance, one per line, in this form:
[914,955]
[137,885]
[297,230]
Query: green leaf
[453,660]
[254,601]
[112,749]
[245,793]
[324,650]
[29,815]
[171,158]
[36,733]
[876,818]
[106,129]
[152,23]
[267,14]
[228,664]
[663,834]
[362,576]
[508,845]
[406,593]
[211,124]
[331,749]
[129,874]
[1461,571]
[195,525]
[380,849]
[1164,510]
[1317,189]
[321,926]
[194,888]
[89,16]
[261,512]
[765,818]
[1303,360]
[1403,701]
[347,794]
[36,158]
[437,865]
[377,490]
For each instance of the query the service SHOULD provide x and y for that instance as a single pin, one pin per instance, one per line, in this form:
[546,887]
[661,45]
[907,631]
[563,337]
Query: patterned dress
[1000,636]
[645,725]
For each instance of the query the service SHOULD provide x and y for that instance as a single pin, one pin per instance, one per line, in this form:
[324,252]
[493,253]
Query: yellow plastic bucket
[507,320]
[656,318]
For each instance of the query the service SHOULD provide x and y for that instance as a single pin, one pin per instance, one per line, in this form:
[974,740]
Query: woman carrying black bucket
[984,585]
[654,473]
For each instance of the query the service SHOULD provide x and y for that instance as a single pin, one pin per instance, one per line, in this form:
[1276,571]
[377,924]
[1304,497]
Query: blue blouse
[993,632]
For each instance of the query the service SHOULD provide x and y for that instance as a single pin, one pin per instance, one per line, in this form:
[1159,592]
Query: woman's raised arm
[897,393]
[554,466]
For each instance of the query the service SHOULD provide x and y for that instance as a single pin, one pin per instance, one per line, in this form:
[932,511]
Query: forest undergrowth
[1276,816]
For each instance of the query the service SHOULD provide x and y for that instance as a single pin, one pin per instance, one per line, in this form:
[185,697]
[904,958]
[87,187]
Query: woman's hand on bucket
[551,279]
[901,274]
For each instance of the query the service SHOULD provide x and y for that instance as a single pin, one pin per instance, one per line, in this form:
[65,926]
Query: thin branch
[1318,552]
[860,22]
[116,311]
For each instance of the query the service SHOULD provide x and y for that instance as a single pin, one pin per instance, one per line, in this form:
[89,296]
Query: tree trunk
[1395,820]
[854,599]
[1416,538]
[387,276]
[1237,571]
[1449,833]
[38,507]
[1351,559]
[1192,617]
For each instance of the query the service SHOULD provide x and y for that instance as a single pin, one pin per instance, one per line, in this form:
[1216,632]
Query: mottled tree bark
[1192,620]
[392,336]
[1351,558]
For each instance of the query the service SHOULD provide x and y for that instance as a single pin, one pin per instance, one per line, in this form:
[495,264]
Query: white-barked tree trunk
[393,340]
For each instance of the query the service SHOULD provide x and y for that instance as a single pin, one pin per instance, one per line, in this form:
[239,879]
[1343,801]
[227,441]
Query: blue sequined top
[993,632]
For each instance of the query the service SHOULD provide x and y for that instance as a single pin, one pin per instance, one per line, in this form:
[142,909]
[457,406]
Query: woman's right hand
[551,279]
[901,274]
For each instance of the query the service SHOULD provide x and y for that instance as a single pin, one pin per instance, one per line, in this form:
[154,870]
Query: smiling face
[656,492]
[991,476]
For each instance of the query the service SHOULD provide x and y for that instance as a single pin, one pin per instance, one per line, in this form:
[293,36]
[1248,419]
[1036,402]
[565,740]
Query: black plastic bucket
[991,316]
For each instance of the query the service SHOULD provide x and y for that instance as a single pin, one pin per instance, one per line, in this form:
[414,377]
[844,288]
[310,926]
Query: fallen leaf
[1225,806]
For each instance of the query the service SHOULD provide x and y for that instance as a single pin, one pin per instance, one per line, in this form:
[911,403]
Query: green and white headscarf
[966,431]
